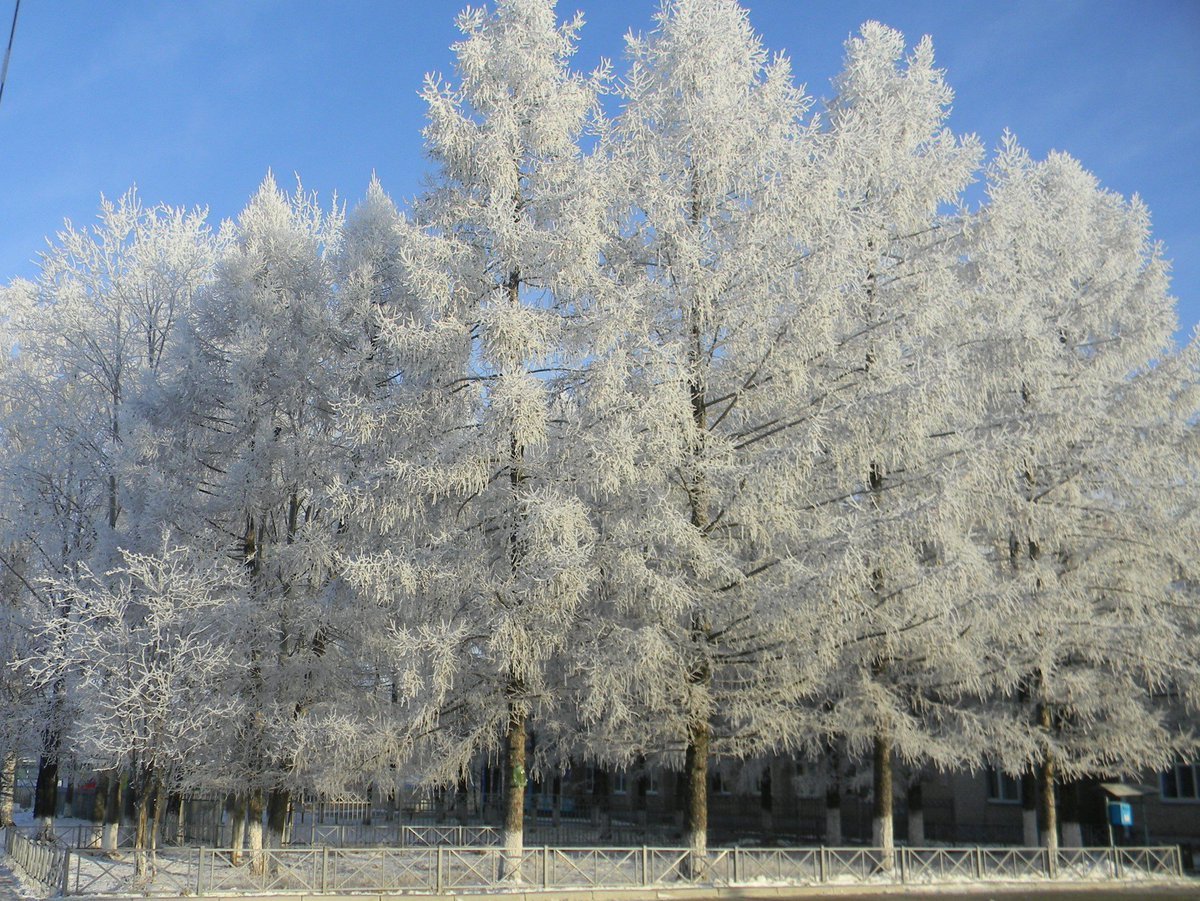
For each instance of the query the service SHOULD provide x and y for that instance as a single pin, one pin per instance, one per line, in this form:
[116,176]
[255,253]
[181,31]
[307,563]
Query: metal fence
[391,834]
[360,835]
[201,871]
[82,836]
[419,835]
[42,863]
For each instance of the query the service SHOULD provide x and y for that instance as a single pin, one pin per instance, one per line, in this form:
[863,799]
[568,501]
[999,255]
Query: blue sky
[195,101]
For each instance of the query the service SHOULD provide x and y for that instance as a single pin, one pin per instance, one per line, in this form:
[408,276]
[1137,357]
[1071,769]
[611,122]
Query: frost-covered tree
[890,546]
[481,553]
[22,714]
[1081,515]
[147,650]
[21,708]
[710,430]
[259,390]
[698,418]
[91,335]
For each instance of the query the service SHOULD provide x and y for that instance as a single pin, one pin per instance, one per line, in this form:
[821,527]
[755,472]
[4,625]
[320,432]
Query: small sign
[1120,813]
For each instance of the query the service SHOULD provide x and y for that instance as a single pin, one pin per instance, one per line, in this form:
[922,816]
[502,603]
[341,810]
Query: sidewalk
[11,888]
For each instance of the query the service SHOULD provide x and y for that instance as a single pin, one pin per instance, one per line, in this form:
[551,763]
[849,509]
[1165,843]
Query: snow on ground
[25,821]
[12,887]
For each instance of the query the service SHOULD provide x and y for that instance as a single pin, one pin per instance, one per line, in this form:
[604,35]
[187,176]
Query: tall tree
[482,552]
[1094,396]
[266,349]
[700,432]
[92,334]
[891,544]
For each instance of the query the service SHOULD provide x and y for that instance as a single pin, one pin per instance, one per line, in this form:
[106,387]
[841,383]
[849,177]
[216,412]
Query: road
[1033,892]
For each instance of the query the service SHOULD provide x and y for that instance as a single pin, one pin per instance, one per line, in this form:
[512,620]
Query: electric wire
[8,51]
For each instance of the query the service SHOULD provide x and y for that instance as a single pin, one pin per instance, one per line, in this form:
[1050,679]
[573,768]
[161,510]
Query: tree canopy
[682,418]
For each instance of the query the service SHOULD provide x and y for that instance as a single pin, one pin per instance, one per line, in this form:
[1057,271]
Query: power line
[8,53]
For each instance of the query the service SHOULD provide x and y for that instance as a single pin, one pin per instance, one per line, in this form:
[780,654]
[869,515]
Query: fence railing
[392,834]
[440,868]
[42,863]
[360,835]
[419,835]
[82,836]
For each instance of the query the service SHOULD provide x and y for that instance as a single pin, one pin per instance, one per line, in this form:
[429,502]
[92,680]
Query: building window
[719,784]
[1003,788]
[652,783]
[618,783]
[1181,782]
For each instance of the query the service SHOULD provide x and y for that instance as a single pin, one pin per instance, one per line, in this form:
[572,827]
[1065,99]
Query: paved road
[990,893]
[1040,894]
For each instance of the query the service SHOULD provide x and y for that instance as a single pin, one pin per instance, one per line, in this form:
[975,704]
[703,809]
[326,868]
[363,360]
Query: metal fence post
[645,867]
[199,868]
[978,863]
[324,868]
[821,867]
[66,873]
[903,865]
[438,881]
[737,861]
[545,866]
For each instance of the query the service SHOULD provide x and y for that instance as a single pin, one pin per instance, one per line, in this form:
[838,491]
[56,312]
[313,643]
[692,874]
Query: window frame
[619,779]
[1178,797]
[1002,788]
[719,784]
[653,783]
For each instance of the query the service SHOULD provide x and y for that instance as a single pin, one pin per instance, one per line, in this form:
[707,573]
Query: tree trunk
[441,805]
[254,832]
[99,804]
[916,816]
[237,829]
[640,788]
[1048,776]
[601,809]
[833,815]
[160,804]
[766,802]
[112,813]
[180,823]
[143,789]
[882,831]
[8,787]
[699,737]
[515,779]
[695,773]
[1072,831]
[1049,810]
[46,795]
[461,801]
[278,800]
[1029,817]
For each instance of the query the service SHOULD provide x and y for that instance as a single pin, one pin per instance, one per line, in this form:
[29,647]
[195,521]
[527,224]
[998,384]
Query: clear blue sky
[195,101]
